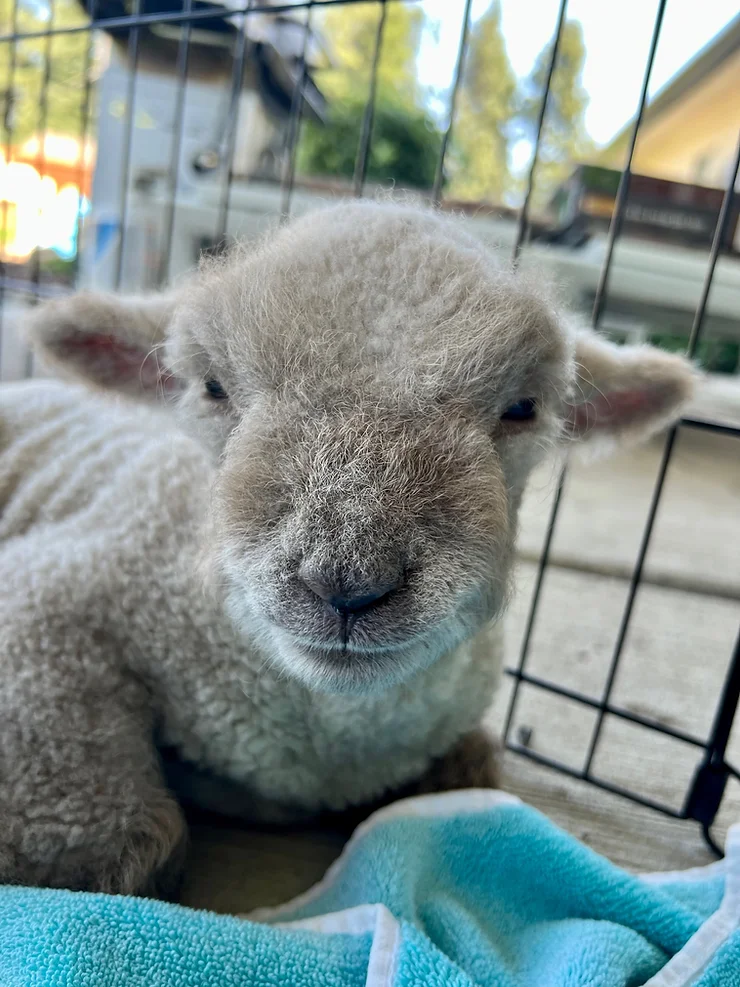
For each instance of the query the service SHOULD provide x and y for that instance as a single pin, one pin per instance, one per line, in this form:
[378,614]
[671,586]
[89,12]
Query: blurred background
[171,126]
[126,151]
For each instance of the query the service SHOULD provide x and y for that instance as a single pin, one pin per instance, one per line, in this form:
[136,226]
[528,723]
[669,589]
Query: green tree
[564,140]
[351,32]
[404,148]
[23,93]
[479,157]
[405,139]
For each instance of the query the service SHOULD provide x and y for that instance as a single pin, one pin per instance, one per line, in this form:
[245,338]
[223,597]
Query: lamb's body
[103,506]
[364,397]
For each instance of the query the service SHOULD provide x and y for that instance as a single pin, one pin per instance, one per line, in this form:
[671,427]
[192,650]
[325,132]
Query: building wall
[152,141]
[692,141]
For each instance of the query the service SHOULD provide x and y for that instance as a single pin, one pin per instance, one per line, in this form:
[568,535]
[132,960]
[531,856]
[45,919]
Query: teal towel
[467,888]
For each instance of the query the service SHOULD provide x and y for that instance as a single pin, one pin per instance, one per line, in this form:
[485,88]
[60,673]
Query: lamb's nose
[347,600]
[355,604]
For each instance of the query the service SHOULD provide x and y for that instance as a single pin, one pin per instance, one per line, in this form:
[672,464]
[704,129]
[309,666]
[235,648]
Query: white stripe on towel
[691,961]
[682,970]
[358,921]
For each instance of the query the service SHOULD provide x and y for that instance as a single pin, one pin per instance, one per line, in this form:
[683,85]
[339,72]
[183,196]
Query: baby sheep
[290,570]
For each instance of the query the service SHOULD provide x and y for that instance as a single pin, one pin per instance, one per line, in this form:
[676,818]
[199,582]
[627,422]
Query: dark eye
[522,411]
[215,390]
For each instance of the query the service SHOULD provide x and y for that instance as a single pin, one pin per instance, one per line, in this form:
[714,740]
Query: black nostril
[359,604]
[346,601]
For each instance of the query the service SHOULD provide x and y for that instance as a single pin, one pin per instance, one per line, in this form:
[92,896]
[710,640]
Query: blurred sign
[656,209]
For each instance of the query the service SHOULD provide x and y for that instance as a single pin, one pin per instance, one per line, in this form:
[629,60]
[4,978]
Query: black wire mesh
[704,796]
[232,122]
[133,61]
[294,123]
[368,117]
[183,55]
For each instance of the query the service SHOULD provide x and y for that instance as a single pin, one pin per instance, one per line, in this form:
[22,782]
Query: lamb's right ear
[108,340]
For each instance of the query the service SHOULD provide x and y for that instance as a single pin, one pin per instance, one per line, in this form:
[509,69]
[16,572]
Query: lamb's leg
[474,762]
[82,803]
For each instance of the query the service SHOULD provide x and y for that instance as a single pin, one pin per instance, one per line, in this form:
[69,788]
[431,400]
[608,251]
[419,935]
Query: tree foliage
[495,111]
[351,33]
[564,139]
[61,58]
[479,162]
[405,138]
[404,147]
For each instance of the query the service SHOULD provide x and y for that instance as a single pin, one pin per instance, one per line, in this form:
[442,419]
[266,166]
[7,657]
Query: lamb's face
[363,536]
[377,392]
[374,391]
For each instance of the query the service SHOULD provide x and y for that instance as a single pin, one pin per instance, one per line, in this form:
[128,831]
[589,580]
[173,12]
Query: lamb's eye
[522,411]
[215,390]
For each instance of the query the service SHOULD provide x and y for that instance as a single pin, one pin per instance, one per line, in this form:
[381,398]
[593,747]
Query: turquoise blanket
[442,891]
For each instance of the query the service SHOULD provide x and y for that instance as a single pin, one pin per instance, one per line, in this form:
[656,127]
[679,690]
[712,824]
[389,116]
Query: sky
[617,37]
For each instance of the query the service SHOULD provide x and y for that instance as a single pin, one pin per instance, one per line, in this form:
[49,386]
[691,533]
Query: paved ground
[685,622]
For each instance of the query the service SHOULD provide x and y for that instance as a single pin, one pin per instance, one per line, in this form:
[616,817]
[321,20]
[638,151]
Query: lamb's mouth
[356,670]
[343,651]
[365,665]
[356,665]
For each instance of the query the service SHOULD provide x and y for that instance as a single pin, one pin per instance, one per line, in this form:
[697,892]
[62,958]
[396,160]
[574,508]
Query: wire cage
[287,81]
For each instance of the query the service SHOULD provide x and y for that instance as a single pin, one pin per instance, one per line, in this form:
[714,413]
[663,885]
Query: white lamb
[291,572]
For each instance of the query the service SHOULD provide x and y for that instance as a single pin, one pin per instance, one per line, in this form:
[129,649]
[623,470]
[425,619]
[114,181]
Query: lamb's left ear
[107,340]
[625,393]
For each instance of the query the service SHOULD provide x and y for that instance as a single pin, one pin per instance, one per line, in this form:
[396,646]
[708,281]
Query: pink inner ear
[112,362]
[615,410]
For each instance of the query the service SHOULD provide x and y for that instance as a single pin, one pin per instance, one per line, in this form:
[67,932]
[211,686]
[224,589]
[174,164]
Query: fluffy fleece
[292,571]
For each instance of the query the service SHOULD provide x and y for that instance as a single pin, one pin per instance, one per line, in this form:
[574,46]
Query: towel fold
[454,890]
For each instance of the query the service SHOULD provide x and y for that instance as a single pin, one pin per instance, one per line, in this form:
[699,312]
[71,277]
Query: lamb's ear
[625,393]
[107,340]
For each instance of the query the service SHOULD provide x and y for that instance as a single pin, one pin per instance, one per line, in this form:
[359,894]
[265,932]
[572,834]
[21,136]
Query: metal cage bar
[534,605]
[178,125]
[287,183]
[439,175]
[620,203]
[133,60]
[522,226]
[704,797]
[85,108]
[614,229]
[41,132]
[228,150]
[8,120]
[178,17]
[719,234]
[619,207]
[368,117]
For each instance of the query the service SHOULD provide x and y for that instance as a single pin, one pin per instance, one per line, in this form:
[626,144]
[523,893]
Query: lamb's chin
[327,669]
[358,672]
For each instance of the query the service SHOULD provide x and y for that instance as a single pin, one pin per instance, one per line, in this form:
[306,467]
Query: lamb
[281,544]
